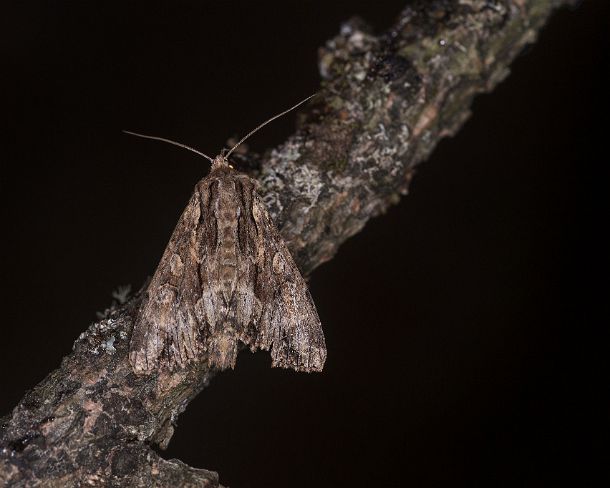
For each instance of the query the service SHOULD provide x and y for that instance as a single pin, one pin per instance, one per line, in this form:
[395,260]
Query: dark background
[461,326]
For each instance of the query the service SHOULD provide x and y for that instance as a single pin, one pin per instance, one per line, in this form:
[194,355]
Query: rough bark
[384,103]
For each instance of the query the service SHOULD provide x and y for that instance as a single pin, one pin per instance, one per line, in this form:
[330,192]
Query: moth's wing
[168,326]
[286,322]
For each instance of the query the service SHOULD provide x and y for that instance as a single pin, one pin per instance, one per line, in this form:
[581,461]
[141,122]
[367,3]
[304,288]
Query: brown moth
[226,277]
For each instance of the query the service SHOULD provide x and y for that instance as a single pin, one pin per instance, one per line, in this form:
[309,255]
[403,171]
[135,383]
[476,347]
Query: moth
[226,277]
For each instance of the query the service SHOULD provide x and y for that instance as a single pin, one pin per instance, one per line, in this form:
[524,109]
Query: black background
[461,326]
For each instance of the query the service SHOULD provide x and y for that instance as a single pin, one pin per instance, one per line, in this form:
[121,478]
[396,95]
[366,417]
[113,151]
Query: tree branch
[384,104]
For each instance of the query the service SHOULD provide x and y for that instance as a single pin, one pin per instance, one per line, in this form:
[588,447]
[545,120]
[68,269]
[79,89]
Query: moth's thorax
[226,209]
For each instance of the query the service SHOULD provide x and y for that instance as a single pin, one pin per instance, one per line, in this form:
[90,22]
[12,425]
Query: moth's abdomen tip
[138,368]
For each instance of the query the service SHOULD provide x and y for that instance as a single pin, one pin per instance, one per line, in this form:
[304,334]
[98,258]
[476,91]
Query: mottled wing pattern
[288,324]
[226,277]
[166,325]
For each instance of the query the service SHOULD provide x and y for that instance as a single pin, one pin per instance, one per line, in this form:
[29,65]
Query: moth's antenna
[169,141]
[266,122]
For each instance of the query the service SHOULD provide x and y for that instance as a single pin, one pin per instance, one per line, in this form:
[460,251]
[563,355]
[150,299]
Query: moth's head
[221,161]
